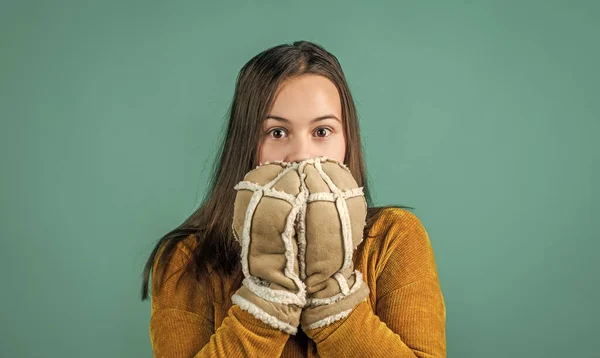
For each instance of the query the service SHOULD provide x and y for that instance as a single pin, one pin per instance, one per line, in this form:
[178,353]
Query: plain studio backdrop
[483,115]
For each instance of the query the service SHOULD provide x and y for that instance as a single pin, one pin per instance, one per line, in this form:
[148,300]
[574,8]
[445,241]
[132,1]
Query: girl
[292,105]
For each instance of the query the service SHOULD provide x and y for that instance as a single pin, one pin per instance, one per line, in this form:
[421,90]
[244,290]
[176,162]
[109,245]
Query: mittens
[266,207]
[298,225]
[331,225]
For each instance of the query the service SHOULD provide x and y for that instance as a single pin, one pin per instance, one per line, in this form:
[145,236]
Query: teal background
[484,116]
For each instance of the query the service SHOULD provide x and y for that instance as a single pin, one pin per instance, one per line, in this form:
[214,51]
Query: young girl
[216,294]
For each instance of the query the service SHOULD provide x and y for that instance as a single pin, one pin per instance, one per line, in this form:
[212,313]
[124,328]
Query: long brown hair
[255,88]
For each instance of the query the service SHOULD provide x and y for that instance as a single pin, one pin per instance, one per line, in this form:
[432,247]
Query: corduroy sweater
[404,315]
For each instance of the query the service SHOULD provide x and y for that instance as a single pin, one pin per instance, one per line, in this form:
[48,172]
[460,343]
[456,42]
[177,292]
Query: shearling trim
[287,168]
[273,162]
[342,208]
[358,282]
[344,166]
[262,315]
[329,320]
[246,230]
[321,158]
[347,194]
[301,222]
[322,197]
[277,296]
[279,162]
[288,233]
[342,283]
[271,192]
[286,236]
[350,193]
[324,159]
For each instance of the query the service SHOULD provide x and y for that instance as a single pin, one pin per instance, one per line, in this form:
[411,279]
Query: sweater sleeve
[410,312]
[182,320]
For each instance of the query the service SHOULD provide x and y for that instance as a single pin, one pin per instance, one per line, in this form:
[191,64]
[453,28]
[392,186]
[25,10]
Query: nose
[299,150]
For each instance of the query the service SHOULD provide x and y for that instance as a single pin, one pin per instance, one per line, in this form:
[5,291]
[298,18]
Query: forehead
[306,97]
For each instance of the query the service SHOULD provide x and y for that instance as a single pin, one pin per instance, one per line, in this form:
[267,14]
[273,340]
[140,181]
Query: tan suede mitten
[267,204]
[330,227]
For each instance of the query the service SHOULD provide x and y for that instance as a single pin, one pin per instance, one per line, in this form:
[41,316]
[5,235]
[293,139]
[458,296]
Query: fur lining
[246,230]
[274,193]
[271,295]
[347,194]
[288,240]
[329,320]
[342,208]
[342,283]
[358,282]
[262,315]
[288,233]
[297,203]
[287,169]
[301,229]
[296,221]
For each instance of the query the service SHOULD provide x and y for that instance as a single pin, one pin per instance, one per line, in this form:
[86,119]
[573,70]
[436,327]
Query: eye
[322,132]
[279,132]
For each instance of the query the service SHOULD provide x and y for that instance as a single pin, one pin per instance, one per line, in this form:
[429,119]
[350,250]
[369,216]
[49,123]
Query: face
[305,122]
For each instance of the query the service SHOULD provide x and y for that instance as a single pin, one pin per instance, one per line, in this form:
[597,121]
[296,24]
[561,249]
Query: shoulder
[397,226]
[179,255]
[173,262]
[174,280]
[398,247]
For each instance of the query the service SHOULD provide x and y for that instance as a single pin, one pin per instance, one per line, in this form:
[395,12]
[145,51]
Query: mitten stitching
[271,295]
[252,204]
[342,208]
[358,282]
[301,233]
[341,280]
[286,236]
[271,192]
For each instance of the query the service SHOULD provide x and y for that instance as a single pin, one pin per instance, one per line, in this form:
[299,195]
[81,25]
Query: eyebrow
[327,116]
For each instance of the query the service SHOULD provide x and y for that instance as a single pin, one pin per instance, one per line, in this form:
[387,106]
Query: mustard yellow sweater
[404,316]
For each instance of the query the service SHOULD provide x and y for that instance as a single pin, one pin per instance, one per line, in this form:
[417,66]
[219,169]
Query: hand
[330,227]
[267,204]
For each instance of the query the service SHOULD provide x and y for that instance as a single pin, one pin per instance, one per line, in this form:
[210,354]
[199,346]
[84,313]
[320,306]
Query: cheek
[337,149]
[267,152]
